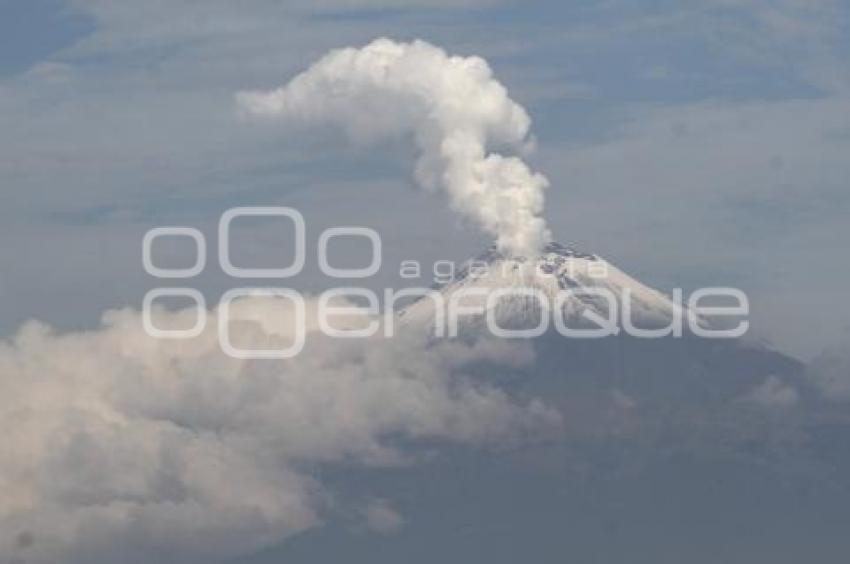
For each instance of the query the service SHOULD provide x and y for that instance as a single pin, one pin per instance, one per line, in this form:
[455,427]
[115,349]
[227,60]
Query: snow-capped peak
[570,279]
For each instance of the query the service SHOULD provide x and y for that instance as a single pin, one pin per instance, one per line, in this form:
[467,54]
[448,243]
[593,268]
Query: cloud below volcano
[119,445]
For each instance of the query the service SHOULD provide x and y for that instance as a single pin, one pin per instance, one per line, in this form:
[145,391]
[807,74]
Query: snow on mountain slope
[583,286]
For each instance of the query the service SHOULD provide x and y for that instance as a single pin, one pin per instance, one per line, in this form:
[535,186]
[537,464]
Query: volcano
[671,368]
[672,449]
[582,286]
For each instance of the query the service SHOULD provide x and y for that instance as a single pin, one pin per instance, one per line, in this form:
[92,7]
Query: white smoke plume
[455,112]
[118,446]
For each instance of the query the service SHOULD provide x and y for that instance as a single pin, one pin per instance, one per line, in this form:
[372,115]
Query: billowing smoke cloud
[118,446]
[455,112]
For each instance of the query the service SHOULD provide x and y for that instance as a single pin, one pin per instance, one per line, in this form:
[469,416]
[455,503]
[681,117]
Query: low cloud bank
[118,446]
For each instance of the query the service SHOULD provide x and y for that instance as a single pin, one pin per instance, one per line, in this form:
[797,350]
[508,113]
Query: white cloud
[118,444]
[622,400]
[773,393]
[382,518]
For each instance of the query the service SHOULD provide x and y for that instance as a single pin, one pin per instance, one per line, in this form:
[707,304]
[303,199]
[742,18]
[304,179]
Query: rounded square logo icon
[363,232]
[298,323]
[156,332]
[160,232]
[261,211]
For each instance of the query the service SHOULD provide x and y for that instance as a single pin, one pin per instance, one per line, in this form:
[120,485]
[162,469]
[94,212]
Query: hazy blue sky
[691,143]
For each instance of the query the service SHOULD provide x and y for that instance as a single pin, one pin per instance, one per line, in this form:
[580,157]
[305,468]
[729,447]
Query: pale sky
[689,143]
